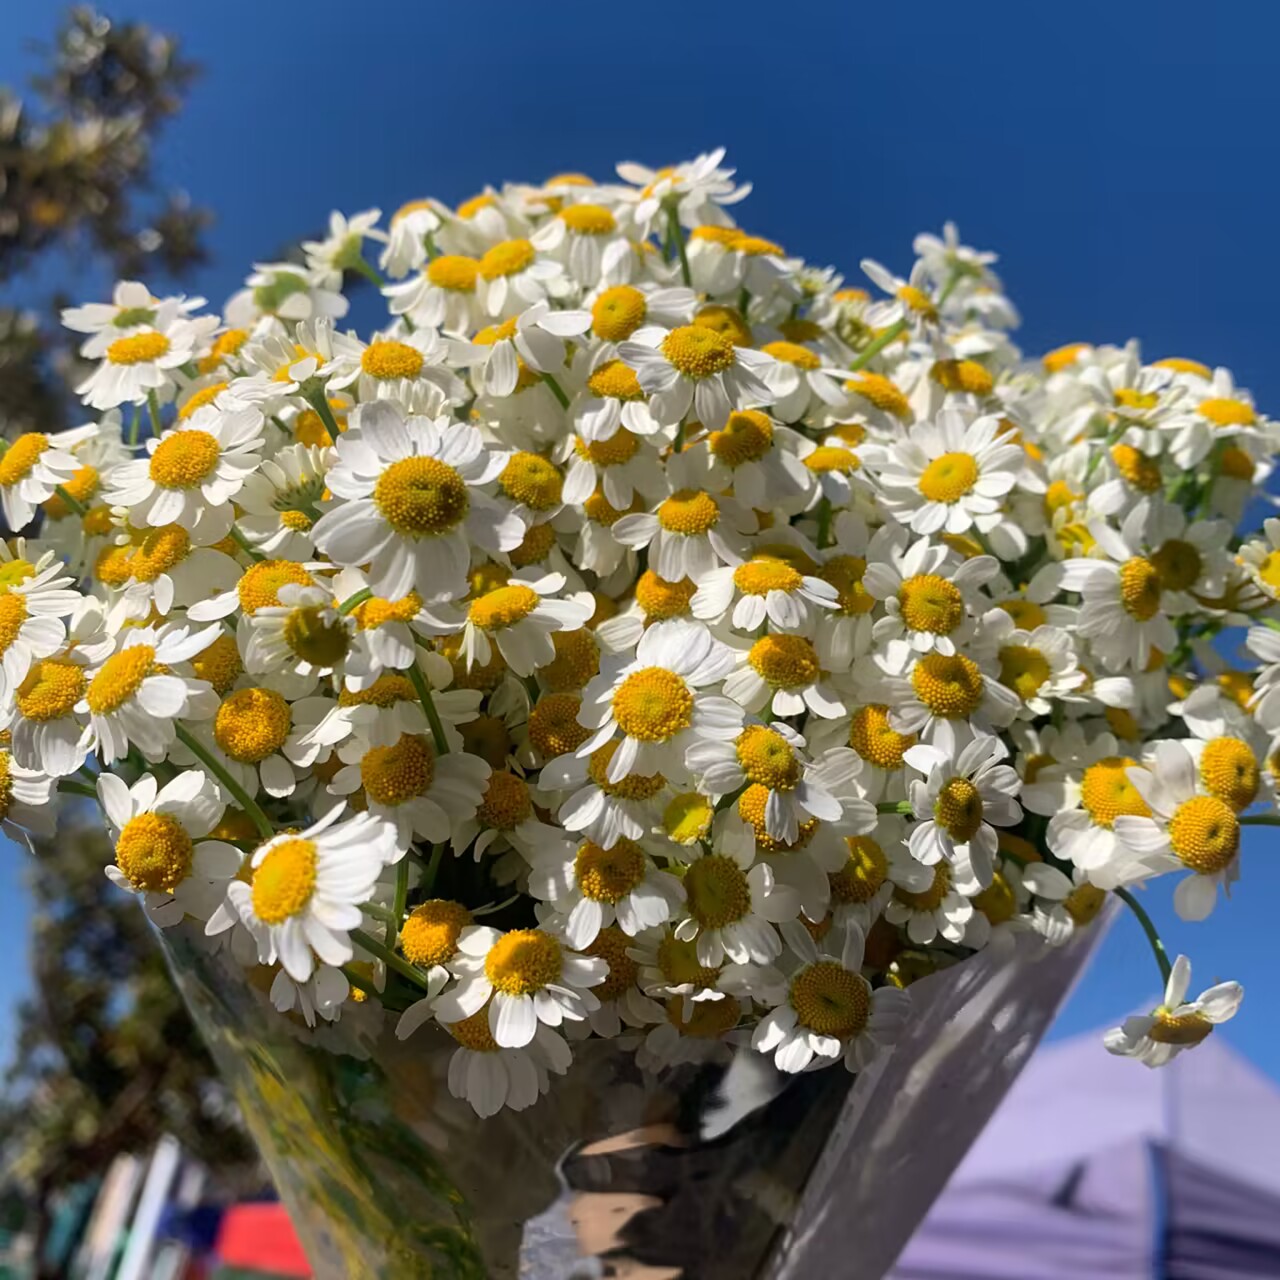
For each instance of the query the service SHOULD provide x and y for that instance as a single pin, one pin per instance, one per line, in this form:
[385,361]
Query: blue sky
[1122,159]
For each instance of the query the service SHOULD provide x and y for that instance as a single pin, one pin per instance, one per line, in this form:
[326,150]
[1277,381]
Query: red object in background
[261,1237]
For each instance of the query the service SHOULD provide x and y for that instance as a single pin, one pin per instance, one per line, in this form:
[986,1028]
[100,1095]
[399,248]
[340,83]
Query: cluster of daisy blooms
[643,635]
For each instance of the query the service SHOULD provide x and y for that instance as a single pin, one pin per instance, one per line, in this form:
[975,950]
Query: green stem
[531,688]
[1261,820]
[952,280]
[428,705]
[1112,439]
[360,982]
[824,523]
[397,905]
[361,267]
[134,424]
[389,958]
[433,869]
[75,788]
[1153,936]
[676,231]
[875,347]
[244,544]
[895,806]
[246,802]
[320,403]
[355,600]
[153,408]
[557,390]
[74,503]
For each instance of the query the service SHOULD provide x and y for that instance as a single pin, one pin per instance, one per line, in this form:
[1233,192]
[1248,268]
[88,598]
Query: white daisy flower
[801,380]
[304,896]
[513,277]
[909,299]
[1040,666]
[132,304]
[304,634]
[34,598]
[144,358]
[32,468]
[930,902]
[946,698]
[524,977]
[395,365]
[27,805]
[659,701]
[601,810]
[619,310]
[619,468]
[698,189]
[769,589]
[412,502]
[763,462]
[611,398]
[280,502]
[1155,1039]
[199,464]
[343,245]
[830,1010]
[442,295]
[589,240]
[783,674]
[284,291]
[160,846]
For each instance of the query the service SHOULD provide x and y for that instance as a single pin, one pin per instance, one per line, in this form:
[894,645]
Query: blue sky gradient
[1120,158]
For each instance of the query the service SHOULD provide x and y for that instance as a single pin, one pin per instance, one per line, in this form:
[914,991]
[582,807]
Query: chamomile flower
[602,810]
[305,893]
[512,276]
[612,398]
[34,598]
[769,589]
[33,467]
[782,674]
[279,502]
[343,244]
[909,300]
[162,849]
[930,904]
[144,358]
[407,238]
[1155,1039]
[285,291]
[589,240]
[689,534]
[304,634]
[394,365]
[830,1011]
[412,505]
[26,801]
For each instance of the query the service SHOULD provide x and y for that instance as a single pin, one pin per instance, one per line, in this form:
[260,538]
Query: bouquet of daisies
[641,634]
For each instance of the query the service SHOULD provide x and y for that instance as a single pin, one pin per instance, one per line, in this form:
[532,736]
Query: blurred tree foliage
[77,190]
[106,1058]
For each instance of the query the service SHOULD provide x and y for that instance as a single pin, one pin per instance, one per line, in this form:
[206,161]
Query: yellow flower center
[138,349]
[792,353]
[608,875]
[766,757]
[881,392]
[764,574]
[958,809]
[997,901]
[1229,770]
[430,934]
[386,691]
[1180,365]
[577,660]
[661,599]
[1064,357]
[949,477]
[219,664]
[932,897]
[653,705]
[726,321]
[1181,1029]
[51,689]
[752,804]
[1084,902]
[316,635]
[950,687]
[487,737]
[13,613]
[421,497]
[154,852]
[1235,463]
[618,448]
[183,459]
[727,237]
[506,803]
[1178,563]
[387,360]
[635,786]
[611,945]
[872,737]
[259,587]
[1026,614]
[553,725]
[930,603]
[159,551]
[614,380]
[918,301]
[473,1033]
[284,881]
[1140,588]
[224,345]
[1205,834]
[453,271]
[688,817]
[503,607]
[251,724]
[507,259]
[845,573]
[831,1000]
[1132,398]
[831,457]
[618,313]
[21,456]
[746,437]
[1058,497]
[707,1020]
[717,891]
[757,246]
[698,352]
[120,678]
[523,961]
[1136,468]
[469,208]
[588,219]
[1227,413]
[198,400]
[864,871]
[529,478]
[1023,669]
[690,512]
[391,775]
[1106,792]
[963,375]
[678,964]
[786,662]
[82,487]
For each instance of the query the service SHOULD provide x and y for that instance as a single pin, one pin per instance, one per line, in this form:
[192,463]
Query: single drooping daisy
[395,365]
[342,247]
[200,464]
[1156,1038]
[594,888]
[960,802]
[413,504]
[799,379]
[26,801]
[769,589]
[620,310]
[659,701]
[305,893]
[619,468]
[696,190]
[1186,826]
[783,674]
[162,849]
[135,697]
[830,1010]
[763,462]
[909,300]
[407,238]
[429,941]
[518,617]
[863,884]
[32,468]
[611,398]
[695,368]
[947,476]
[406,783]
[524,977]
